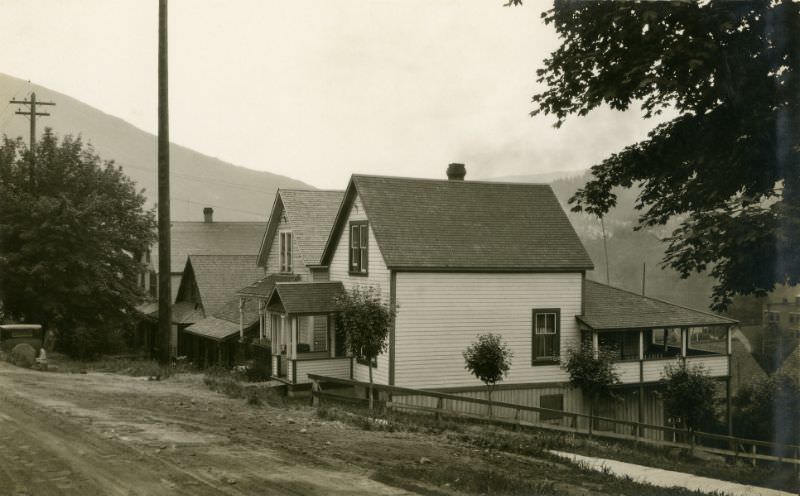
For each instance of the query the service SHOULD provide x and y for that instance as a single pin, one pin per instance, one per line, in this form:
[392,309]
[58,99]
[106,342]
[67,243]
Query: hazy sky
[318,89]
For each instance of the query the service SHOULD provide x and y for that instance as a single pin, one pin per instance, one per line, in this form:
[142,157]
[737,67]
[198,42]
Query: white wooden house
[460,258]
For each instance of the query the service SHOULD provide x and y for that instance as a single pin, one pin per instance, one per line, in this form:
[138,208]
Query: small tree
[365,321]
[488,359]
[593,375]
[689,394]
[769,409]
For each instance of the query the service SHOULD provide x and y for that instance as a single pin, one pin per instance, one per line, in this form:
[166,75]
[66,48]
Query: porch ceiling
[607,307]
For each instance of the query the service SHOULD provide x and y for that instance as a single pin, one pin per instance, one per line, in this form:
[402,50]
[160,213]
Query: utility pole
[164,249]
[33,114]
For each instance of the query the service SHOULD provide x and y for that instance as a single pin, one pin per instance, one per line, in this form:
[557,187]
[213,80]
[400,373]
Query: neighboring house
[298,227]
[197,238]
[202,307]
[461,258]
[781,308]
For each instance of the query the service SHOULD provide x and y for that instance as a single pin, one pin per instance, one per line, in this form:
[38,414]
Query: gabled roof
[218,277]
[607,307]
[214,328]
[306,297]
[463,225]
[310,214]
[211,238]
[263,288]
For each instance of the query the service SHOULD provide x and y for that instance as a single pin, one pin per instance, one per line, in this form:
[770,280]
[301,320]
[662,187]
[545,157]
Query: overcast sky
[318,89]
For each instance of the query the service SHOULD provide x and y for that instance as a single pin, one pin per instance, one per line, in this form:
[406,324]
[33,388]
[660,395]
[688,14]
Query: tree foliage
[769,410]
[727,166]
[488,359]
[366,321]
[689,393]
[69,232]
[593,375]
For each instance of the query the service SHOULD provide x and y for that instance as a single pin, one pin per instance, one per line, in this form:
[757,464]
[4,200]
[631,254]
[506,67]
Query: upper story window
[546,335]
[286,251]
[773,316]
[359,241]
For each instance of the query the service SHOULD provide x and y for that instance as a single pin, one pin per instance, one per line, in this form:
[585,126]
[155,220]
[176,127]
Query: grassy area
[536,443]
[234,384]
[125,365]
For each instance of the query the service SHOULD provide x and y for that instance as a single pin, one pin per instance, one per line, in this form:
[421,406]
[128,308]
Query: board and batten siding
[440,314]
[377,277]
[274,258]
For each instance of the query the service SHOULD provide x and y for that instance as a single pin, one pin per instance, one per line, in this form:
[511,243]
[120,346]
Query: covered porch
[211,341]
[303,332]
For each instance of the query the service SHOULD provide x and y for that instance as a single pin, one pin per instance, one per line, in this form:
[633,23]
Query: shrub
[689,393]
[593,375]
[769,410]
[488,359]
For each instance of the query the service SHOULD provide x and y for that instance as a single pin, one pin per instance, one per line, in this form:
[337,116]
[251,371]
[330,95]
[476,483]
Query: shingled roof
[263,287]
[306,297]
[218,277]
[607,307]
[310,214]
[214,328]
[464,225]
[211,238]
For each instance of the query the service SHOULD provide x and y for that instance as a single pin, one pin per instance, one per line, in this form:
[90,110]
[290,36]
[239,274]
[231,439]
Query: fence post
[439,406]
[316,400]
[754,450]
[516,420]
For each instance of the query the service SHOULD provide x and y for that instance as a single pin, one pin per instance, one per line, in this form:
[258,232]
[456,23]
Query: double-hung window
[546,335]
[359,242]
[286,251]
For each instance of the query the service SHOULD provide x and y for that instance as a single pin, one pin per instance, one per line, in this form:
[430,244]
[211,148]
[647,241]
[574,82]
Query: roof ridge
[313,190]
[711,314]
[448,181]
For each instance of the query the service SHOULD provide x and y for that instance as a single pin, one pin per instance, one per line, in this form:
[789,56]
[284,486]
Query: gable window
[546,335]
[286,251]
[359,241]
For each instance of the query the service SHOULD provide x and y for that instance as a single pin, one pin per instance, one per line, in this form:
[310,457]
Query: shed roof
[213,328]
[218,277]
[263,287]
[310,214]
[306,297]
[464,225]
[607,307]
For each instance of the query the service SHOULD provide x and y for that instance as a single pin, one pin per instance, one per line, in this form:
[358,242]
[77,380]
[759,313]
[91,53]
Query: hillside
[197,180]
[627,249]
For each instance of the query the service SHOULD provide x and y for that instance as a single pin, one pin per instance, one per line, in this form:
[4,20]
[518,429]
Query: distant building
[782,308]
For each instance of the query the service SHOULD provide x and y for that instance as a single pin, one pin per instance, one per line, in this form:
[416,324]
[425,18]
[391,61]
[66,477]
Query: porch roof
[264,287]
[213,328]
[305,297]
[607,308]
[187,312]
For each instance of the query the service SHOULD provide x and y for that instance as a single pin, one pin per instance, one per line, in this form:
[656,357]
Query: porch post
[332,334]
[639,429]
[241,318]
[641,345]
[293,328]
[728,411]
[262,328]
[729,344]
[684,341]
[595,344]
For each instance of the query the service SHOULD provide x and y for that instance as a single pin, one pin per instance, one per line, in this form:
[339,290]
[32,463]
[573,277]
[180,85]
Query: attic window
[359,242]
[286,251]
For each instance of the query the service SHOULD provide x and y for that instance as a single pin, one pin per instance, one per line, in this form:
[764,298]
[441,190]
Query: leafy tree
[769,410]
[726,167]
[365,321]
[593,374]
[488,359]
[689,393]
[69,232]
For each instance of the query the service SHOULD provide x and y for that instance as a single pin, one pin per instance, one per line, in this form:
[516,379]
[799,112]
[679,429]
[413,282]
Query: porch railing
[447,405]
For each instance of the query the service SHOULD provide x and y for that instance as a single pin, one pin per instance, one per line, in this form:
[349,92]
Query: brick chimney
[456,172]
[208,214]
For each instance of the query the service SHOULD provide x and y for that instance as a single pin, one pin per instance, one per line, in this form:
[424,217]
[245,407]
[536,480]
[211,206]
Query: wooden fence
[446,405]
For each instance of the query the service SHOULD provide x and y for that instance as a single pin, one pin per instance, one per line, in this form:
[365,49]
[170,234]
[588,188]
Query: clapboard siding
[273,259]
[628,371]
[440,314]
[653,370]
[714,365]
[334,367]
[378,277]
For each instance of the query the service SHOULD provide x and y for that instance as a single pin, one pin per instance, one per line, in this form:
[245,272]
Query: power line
[33,114]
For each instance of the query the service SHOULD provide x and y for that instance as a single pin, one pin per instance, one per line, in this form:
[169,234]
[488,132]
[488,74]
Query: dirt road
[116,435]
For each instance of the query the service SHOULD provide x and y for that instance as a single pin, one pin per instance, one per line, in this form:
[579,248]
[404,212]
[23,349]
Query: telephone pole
[32,103]
[164,269]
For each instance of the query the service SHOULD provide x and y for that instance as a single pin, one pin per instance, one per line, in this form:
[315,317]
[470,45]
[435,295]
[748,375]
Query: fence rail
[579,423]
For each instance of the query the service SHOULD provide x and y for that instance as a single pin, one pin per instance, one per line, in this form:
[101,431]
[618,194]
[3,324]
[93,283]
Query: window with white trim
[359,243]
[286,251]
[546,334]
